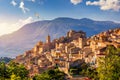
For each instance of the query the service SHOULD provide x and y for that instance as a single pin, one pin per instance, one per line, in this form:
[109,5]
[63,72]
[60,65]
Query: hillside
[74,47]
[16,43]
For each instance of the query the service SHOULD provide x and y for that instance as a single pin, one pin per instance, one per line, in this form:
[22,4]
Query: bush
[50,75]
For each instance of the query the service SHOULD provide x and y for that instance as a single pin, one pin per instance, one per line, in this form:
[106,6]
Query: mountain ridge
[29,34]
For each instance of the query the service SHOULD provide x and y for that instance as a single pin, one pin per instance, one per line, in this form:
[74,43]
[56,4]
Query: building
[48,40]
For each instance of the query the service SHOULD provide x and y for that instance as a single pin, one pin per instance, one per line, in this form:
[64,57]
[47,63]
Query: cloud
[22,22]
[24,9]
[33,0]
[6,28]
[22,5]
[75,2]
[106,4]
[25,21]
[13,3]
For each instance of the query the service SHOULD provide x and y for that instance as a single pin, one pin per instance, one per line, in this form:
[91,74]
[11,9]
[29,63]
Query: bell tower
[48,39]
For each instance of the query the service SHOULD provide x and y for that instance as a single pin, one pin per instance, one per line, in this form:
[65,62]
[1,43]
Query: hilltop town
[64,51]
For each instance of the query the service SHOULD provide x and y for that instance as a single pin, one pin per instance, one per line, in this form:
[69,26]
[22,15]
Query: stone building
[48,39]
[82,42]
[70,33]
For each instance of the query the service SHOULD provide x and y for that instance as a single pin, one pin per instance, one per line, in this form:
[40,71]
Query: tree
[109,66]
[77,69]
[90,72]
[17,69]
[42,76]
[50,75]
[14,77]
[2,69]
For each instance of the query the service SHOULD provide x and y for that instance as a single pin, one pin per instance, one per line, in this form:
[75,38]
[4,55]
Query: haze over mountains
[25,38]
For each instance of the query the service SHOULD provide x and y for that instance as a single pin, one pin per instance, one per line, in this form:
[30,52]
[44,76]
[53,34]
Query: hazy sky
[15,13]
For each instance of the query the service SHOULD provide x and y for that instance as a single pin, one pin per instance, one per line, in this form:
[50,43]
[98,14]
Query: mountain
[16,43]
[5,59]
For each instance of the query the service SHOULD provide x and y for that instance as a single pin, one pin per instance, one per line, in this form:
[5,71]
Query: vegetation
[84,70]
[15,71]
[51,75]
[75,70]
[109,66]
[12,71]
[90,72]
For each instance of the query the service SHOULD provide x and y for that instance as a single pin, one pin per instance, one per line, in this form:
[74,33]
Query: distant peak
[67,18]
[86,19]
[64,18]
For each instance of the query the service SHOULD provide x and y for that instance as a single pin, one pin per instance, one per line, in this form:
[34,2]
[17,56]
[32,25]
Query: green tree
[2,69]
[42,76]
[14,77]
[109,66]
[17,69]
[50,75]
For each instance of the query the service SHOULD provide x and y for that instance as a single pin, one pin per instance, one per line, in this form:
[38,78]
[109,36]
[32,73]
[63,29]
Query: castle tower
[70,33]
[82,42]
[48,39]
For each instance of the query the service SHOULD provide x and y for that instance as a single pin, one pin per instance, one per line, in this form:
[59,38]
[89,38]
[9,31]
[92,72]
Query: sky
[16,13]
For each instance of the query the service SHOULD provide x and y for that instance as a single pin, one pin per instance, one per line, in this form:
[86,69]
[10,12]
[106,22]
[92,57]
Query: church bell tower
[48,39]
